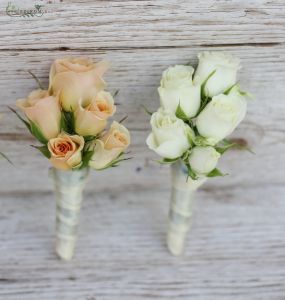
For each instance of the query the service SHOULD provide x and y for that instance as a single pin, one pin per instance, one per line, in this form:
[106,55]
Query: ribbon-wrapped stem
[181,207]
[69,187]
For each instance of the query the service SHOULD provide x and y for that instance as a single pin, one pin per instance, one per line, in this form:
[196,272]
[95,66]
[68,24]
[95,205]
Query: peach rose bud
[65,151]
[77,79]
[43,110]
[110,146]
[92,119]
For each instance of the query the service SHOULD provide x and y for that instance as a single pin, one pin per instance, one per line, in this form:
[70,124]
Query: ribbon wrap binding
[181,207]
[69,187]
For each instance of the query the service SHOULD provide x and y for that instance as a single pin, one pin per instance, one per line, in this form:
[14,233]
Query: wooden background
[236,249]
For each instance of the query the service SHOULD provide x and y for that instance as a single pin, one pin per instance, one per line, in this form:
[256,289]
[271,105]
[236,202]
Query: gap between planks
[144,47]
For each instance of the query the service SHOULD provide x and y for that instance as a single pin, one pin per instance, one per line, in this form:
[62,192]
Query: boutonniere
[198,110]
[70,122]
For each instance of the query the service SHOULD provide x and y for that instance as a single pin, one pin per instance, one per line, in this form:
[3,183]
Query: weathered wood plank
[234,251]
[136,24]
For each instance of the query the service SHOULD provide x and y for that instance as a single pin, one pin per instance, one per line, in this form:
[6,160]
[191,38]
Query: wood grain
[145,24]
[236,247]
[234,251]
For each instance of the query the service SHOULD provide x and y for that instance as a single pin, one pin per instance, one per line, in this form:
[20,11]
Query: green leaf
[237,89]
[238,145]
[189,63]
[243,148]
[205,99]
[89,138]
[122,120]
[146,110]
[180,114]
[223,149]
[168,160]
[27,124]
[36,132]
[190,133]
[246,148]
[203,86]
[185,155]
[6,157]
[44,150]
[242,93]
[215,173]
[37,80]
[72,122]
[204,103]
[226,92]
[226,142]
[247,94]
[202,141]
[86,156]
[191,173]
[115,163]
[32,127]
[63,124]
[196,132]
[116,93]
[68,122]
[122,154]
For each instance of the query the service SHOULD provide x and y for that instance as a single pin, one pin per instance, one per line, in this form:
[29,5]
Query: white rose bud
[203,160]
[225,67]
[221,116]
[170,136]
[177,87]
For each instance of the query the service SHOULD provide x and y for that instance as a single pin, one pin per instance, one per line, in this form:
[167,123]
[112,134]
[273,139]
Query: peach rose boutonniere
[70,118]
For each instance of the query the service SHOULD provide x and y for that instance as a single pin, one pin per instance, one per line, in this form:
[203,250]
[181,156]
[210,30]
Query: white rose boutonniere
[194,119]
[189,130]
